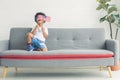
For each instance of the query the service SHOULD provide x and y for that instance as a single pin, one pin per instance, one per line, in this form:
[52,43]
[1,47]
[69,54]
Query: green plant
[111,16]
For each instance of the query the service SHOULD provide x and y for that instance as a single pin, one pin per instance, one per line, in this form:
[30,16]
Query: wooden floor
[87,73]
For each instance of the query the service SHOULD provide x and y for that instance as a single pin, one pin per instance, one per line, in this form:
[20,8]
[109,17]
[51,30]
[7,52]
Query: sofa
[67,47]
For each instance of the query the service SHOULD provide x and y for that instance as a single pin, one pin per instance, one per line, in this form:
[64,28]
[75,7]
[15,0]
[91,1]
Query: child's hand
[43,28]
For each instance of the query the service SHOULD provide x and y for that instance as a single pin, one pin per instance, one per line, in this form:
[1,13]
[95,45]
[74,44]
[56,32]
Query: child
[36,38]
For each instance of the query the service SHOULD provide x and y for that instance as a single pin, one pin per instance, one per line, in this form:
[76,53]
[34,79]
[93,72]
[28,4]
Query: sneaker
[30,48]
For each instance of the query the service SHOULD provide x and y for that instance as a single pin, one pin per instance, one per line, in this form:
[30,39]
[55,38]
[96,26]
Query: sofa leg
[101,68]
[5,71]
[16,69]
[109,70]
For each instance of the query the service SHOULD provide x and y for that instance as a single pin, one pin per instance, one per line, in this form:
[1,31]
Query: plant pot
[116,68]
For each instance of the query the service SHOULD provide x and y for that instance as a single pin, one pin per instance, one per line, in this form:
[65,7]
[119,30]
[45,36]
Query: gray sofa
[67,47]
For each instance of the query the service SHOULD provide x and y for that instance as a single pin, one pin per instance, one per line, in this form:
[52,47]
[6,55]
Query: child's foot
[38,49]
[30,48]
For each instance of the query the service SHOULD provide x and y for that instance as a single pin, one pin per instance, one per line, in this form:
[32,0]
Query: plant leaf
[117,16]
[102,6]
[103,19]
[99,7]
[108,0]
[103,1]
[111,9]
[111,18]
[98,0]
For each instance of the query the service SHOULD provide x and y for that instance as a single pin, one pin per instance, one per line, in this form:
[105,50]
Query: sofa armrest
[4,45]
[113,45]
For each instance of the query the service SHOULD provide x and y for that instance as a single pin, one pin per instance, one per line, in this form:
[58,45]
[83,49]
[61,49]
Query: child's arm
[34,30]
[44,32]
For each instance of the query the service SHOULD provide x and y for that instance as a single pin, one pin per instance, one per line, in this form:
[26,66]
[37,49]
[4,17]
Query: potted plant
[112,17]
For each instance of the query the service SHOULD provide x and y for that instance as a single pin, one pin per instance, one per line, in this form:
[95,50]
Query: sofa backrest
[62,38]
[76,38]
[18,38]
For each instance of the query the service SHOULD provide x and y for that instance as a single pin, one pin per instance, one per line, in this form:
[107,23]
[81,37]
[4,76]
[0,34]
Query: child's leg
[29,38]
[39,44]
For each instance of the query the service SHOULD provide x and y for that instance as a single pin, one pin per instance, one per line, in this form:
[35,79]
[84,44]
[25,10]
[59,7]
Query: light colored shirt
[39,34]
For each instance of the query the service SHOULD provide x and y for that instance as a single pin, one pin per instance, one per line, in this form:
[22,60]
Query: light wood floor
[86,73]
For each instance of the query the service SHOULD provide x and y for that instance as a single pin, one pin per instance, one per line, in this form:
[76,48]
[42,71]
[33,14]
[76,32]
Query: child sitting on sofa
[36,38]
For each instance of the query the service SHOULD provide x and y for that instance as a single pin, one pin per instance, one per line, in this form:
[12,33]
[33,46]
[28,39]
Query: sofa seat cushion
[56,54]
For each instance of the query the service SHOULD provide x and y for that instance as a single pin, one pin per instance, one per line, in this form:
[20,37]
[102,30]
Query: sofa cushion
[56,54]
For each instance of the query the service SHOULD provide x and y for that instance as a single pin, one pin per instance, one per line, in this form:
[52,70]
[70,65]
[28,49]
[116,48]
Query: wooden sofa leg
[109,70]
[101,68]
[5,72]
[16,69]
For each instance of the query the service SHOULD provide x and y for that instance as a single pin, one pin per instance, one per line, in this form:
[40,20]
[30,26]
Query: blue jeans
[38,44]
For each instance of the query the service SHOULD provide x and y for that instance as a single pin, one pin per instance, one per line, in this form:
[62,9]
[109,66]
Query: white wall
[64,13]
